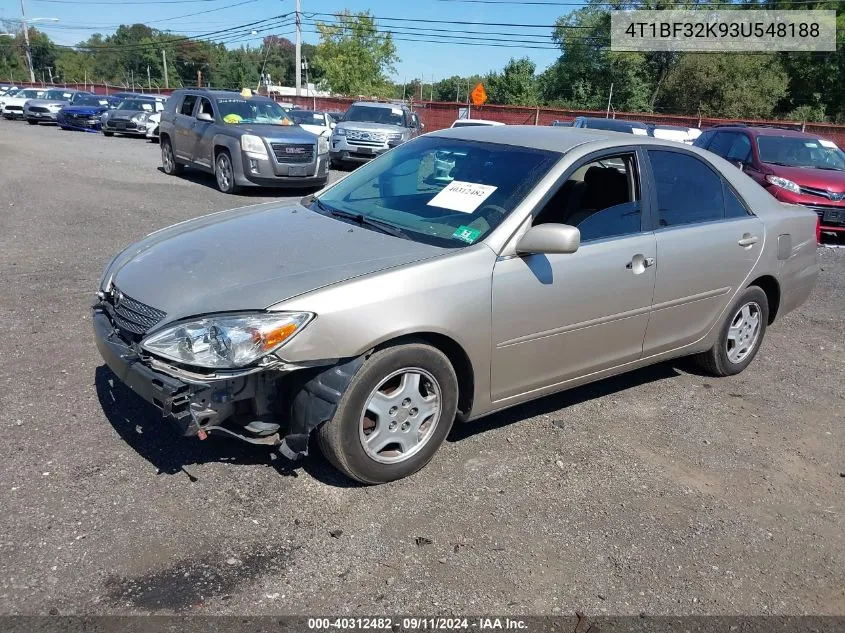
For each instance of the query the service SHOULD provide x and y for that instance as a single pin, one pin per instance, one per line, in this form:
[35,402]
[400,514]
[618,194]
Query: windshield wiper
[362,220]
[830,168]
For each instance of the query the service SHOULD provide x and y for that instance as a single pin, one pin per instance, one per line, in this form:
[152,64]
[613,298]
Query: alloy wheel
[743,332]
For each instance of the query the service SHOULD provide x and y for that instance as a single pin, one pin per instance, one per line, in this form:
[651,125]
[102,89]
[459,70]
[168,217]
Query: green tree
[515,85]
[725,85]
[354,57]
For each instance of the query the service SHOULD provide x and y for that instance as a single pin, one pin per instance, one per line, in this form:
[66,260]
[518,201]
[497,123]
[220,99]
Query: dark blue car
[85,113]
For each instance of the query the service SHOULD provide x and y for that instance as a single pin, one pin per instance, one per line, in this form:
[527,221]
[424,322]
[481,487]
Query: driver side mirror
[332,125]
[740,164]
[549,239]
[205,116]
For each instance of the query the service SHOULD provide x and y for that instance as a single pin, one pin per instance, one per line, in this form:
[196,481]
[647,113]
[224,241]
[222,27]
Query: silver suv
[369,129]
[243,140]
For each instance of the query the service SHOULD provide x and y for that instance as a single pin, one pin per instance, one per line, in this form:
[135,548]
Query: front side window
[206,108]
[236,110]
[439,191]
[370,114]
[721,143]
[601,198]
[688,191]
[187,105]
[740,149]
[792,151]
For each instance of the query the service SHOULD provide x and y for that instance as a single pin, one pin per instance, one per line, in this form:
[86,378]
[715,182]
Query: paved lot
[662,491]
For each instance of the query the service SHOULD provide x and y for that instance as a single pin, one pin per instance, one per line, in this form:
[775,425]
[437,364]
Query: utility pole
[199,79]
[609,97]
[298,60]
[26,43]
[149,81]
[50,70]
[164,62]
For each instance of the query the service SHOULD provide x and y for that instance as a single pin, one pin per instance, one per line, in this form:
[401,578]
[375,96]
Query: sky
[430,61]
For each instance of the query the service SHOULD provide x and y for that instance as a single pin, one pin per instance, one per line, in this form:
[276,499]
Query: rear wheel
[108,133]
[224,172]
[741,335]
[394,415]
[168,159]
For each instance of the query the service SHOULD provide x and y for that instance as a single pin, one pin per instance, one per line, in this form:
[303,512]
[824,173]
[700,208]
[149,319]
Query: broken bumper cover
[171,395]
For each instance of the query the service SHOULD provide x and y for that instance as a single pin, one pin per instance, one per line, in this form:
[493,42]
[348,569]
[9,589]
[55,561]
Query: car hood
[17,100]
[126,114]
[252,258]
[84,109]
[43,102]
[282,133]
[371,127]
[809,177]
[319,130]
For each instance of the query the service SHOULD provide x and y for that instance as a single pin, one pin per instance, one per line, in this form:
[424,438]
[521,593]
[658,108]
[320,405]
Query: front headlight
[226,341]
[783,183]
[340,131]
[140,118]
[322,145]
[253,146]
[395,137]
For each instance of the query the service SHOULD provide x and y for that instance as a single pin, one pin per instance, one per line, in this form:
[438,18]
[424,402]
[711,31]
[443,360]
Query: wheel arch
[769,285]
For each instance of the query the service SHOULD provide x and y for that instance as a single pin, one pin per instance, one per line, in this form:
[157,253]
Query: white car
[13,106]
[686,135]
[152,127]
[318,123]
[473,123]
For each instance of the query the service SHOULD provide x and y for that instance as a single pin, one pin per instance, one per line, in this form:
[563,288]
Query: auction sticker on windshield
[466,234]
[464,197]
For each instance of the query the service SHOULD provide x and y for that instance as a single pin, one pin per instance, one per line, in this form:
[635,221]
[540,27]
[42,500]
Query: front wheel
[741,335]
[32,122]
[168,159]
[225,173]
[394,415]
[109,134]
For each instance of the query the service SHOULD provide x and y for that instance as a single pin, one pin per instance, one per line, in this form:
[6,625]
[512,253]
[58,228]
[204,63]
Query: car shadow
[142,427]
[207,180]
[564,399]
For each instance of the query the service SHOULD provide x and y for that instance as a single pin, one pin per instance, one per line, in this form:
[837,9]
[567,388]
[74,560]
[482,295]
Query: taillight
[818,230]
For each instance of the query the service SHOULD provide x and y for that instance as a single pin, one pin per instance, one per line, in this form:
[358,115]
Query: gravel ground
[662,491]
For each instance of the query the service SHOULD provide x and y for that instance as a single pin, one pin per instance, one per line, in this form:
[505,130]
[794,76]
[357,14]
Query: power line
[451,32]
[461,22]
[121,2]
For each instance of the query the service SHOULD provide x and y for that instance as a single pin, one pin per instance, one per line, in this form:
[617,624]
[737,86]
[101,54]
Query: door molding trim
[701,296]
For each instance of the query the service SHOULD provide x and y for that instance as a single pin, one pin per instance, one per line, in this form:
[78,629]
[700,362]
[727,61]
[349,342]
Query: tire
[32,121]
[224,172]
[168,159]
[108,134]
[64,127]
[739,339]
[342,439]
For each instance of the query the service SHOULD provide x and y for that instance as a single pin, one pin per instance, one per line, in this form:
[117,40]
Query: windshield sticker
[827,144]
[466,234]
[464,197]
[396,111]
[810,145]
[639,131]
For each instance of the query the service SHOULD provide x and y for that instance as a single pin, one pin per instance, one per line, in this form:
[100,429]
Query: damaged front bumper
[247,404]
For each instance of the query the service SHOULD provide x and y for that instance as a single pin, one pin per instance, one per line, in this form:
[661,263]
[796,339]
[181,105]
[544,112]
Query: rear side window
[688,191]
[188,105]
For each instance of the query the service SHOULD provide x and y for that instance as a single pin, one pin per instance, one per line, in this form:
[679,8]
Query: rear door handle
[747,240]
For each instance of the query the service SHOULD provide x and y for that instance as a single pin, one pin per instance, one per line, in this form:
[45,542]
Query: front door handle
[747,240]
[639,263]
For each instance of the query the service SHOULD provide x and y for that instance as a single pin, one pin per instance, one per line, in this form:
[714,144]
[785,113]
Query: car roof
[538,137]
[768,131]
[380,104]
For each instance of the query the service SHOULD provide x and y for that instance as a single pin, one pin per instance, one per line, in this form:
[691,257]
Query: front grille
[823,193]
[15,108]
[37,109]
[361,137]
[293,152]
[133,316]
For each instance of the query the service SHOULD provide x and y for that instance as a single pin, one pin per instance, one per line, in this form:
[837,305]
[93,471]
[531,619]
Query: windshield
[307,117]
[92,101]
[370,114]
[60,95]
[239,110]
[444,192]
[136,104]
[800,152]
[28,94]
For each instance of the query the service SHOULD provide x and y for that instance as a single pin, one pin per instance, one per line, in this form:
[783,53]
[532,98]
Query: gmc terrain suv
[244,140]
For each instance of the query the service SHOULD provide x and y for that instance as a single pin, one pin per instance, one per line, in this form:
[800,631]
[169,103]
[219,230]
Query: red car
[793,166]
